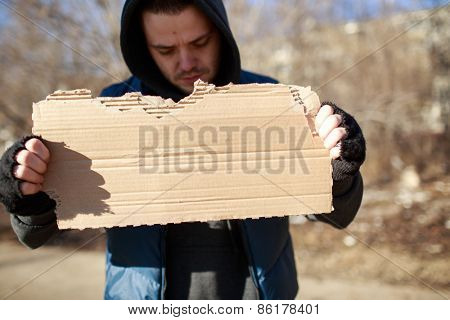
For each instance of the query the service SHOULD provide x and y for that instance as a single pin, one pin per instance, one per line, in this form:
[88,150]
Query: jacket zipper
[251,268]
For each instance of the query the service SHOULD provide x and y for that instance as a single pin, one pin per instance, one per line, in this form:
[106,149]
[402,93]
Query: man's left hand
[342,135]
[328,126]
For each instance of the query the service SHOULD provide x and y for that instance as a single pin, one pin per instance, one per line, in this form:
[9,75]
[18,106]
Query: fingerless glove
[10,194]
[353,147]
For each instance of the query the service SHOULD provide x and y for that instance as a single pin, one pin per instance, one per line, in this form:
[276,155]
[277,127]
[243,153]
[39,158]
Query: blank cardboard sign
[233,152]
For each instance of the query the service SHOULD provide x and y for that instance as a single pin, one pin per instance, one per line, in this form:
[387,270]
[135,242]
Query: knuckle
[342,133]
[32,144]
[14,171]
[19,157]
[26,158]
[17,171]
[328,109]
[337,119]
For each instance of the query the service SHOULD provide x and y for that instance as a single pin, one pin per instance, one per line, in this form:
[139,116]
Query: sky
[347,9]
[353,10]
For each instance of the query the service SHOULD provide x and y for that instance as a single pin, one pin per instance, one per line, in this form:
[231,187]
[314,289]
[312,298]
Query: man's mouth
[191,79]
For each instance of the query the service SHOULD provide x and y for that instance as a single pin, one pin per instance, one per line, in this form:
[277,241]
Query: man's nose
[187,60]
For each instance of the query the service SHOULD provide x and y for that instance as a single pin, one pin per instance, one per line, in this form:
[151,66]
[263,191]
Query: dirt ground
[397,248]
[82,277]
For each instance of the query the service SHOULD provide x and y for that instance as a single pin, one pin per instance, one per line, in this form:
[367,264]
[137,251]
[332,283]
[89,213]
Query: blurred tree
[49,45]
[378,66]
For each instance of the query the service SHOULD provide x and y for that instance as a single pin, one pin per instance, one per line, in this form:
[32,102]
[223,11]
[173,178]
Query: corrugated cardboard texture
[233,152]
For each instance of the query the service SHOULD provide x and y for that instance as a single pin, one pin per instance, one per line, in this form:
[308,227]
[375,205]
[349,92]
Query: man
[167,45]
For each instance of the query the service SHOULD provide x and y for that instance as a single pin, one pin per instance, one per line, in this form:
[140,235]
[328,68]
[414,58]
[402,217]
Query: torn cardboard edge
[97,174]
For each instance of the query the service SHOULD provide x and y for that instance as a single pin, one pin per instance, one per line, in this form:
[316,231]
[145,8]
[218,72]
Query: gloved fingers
[333,138]
[330,123]
[324,112]
[37,147]
[26,174]
[28,188]
[31,160]
[20,185]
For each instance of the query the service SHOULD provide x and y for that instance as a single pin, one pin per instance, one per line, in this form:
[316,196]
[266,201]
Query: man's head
[151,25]
[183,42]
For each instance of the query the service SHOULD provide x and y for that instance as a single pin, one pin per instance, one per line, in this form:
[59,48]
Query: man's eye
[201,43]
[165,52]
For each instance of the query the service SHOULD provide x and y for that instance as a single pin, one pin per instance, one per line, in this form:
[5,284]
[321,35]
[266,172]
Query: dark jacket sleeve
[34,231]
[347,197]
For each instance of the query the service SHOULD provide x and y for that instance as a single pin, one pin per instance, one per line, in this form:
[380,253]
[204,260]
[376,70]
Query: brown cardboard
[141,160]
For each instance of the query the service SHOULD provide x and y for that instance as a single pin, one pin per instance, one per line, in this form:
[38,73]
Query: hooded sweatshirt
[203,260]
[141,64]
[207,260]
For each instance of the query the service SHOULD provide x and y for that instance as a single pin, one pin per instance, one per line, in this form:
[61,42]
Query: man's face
[185,46]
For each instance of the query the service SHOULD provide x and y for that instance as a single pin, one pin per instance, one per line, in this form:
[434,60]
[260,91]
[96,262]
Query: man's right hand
[32,166]
[22,169]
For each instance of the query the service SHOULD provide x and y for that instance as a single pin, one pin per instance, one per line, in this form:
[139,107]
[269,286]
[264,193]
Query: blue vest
[135,256]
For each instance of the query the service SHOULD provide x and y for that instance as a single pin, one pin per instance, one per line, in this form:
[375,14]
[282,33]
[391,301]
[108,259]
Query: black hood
[141,64]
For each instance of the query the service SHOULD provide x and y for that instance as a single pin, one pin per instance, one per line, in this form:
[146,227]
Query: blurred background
[384,61]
